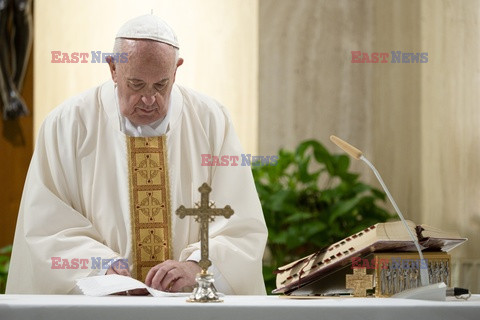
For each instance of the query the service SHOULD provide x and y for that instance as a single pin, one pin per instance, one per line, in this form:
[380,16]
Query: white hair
[118,45]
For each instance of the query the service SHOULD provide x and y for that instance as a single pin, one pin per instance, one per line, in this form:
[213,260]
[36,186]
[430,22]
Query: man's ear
[113,68]
[179,63]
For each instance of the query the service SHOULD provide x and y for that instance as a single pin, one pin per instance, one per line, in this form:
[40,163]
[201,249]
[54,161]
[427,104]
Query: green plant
[4,264]
[311,200]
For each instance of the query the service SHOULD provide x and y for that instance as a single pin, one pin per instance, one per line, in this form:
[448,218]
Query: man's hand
[119,268]
[173,275]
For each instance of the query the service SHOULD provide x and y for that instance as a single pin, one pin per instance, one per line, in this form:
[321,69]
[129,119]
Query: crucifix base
[204,290]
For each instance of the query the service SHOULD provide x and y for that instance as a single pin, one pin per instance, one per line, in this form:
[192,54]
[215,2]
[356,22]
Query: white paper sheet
[114,283]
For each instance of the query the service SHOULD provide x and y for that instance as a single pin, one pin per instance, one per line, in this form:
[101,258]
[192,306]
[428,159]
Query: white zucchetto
[150,27]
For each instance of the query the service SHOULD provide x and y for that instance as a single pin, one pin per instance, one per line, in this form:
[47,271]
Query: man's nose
[149,99]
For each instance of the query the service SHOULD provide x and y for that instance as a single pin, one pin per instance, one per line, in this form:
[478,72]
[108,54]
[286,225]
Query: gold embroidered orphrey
[149,203]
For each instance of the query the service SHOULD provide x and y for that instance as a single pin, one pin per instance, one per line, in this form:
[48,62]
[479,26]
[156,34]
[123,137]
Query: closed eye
[161,85]
[136,85]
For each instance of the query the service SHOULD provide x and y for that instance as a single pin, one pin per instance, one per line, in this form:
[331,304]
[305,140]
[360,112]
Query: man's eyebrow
[139,80]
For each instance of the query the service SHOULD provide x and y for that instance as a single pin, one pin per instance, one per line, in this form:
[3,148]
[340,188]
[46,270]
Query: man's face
[145,81]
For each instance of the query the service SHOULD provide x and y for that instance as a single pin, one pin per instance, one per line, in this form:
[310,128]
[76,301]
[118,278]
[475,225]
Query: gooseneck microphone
[357,154]
[437,291]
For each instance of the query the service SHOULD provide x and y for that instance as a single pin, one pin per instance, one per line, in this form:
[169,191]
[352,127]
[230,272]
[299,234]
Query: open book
[110,284]
[381,237]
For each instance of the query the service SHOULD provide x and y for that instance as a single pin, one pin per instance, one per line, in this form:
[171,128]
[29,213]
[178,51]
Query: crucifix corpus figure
[204,213]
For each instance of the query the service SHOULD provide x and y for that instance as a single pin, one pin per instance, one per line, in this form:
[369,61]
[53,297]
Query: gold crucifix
[359,281]
[204,214]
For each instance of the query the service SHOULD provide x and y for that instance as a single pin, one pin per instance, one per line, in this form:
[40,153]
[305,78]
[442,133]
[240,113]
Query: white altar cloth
[70,307]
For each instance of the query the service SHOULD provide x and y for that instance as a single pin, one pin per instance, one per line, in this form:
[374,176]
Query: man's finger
[179,285]
[170,278]
[158,279]
[160,275]
[151,273]
[122,272]
[138,292]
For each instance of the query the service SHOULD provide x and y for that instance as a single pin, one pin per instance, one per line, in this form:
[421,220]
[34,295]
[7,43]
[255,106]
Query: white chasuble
[78,208]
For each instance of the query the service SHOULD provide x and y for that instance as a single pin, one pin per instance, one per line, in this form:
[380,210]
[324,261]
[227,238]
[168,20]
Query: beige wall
[310,88]
[450,164]
[419,123]
[218,39]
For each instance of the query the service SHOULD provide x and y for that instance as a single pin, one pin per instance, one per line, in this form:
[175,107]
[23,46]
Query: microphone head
[348,148]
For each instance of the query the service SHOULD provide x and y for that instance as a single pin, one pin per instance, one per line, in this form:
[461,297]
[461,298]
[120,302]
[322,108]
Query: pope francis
[109,169]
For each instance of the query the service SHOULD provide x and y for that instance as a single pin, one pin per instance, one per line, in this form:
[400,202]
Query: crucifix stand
[205,213]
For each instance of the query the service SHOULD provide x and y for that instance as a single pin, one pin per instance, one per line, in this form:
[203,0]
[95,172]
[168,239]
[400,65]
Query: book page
[429,231]
[114,283]
[396,230]
[438,240]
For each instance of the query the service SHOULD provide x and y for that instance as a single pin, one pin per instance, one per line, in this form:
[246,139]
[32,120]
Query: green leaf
[303,174]
[278,238]
[6,249]
[282,201]
[314,228]
[360,188]
[342,208]
[298,217]
[379,194]
[341,163]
